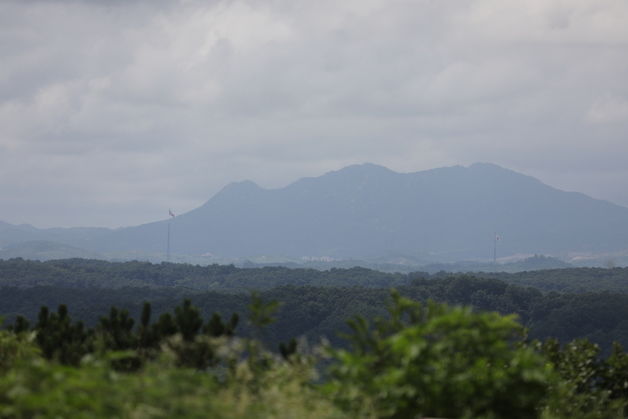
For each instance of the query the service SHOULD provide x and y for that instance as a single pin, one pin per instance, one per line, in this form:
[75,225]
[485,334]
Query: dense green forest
[563,303]
[87,273]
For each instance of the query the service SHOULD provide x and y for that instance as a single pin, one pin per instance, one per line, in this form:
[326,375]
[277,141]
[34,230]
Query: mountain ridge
[368,211]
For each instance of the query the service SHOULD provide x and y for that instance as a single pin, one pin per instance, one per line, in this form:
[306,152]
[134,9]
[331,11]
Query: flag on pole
[171,213]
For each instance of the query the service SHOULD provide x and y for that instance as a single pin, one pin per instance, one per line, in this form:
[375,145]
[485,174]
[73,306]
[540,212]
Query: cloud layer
[113,111]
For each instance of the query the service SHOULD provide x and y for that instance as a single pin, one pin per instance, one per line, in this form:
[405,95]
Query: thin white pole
[495,249]
[168,244]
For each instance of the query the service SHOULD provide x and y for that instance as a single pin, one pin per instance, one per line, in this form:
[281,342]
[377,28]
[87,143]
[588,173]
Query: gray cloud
[111,112]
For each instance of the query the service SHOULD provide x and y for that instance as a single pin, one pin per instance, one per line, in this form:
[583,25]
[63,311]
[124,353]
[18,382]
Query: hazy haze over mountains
[367,211]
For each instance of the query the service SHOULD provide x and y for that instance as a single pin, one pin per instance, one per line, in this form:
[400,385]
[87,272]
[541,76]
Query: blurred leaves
[421,359]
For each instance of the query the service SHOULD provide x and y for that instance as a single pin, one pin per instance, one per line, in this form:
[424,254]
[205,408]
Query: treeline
[569,280]
[315,303]
[63,339]
[416,360]
[86,273]
[316,312]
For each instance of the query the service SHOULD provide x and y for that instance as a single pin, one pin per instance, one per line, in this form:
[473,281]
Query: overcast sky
[113,111]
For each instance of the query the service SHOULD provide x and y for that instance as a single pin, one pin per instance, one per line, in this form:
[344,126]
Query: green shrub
[161,389]
[438,361]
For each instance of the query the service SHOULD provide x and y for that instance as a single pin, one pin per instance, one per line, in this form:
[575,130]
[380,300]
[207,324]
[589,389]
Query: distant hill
[76,236]
[534,263]
[45,250]
[367,211]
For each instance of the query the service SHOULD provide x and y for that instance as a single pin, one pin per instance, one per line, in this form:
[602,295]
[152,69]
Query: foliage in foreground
[34,387]
[440,361]
[421,360]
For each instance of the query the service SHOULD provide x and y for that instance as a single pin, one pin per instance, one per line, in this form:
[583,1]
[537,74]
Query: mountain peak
[363,169]
[234,189]
[242,186]
[370,167]
[488,166]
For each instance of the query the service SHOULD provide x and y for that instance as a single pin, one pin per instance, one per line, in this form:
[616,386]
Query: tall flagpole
[171,214]
[168,245]
[495,249]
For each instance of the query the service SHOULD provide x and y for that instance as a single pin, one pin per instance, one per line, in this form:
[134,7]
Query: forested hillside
[573,280]
[566,304]
[85,273]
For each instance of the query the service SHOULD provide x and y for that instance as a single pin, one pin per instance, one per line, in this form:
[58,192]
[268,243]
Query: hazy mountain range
[368,212]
